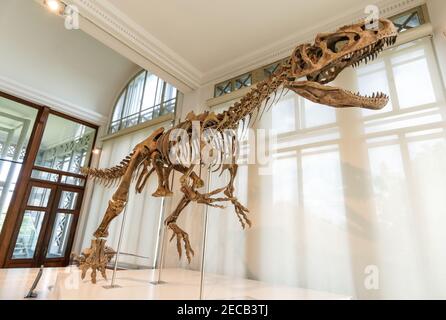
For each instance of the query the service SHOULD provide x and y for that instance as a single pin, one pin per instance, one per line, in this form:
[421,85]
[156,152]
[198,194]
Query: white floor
[65,283]
[15,283]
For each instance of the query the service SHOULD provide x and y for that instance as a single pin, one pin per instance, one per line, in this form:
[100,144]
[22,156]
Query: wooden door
[49,217]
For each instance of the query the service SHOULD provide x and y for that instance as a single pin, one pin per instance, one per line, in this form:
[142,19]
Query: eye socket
[314,53]
[300,63]
[336,44]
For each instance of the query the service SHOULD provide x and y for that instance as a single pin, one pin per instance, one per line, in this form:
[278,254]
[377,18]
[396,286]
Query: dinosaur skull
[331,53]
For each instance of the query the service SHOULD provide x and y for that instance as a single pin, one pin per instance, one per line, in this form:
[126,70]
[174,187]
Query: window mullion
[163,92]
[156,93]
[123,107]
[142,96]
[391,82]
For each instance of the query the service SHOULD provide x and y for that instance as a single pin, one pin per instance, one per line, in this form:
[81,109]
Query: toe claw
[96,257]
[182,237]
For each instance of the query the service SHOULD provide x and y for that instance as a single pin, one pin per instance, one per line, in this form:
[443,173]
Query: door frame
[13,217]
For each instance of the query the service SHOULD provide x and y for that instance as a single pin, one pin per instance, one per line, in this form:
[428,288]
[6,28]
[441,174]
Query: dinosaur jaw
[316,90]
[337,97]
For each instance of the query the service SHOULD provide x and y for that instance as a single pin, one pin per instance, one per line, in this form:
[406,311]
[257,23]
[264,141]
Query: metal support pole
[203,248]
[163,250]
[32,294]
[118,250]
[162,228]
[163,231]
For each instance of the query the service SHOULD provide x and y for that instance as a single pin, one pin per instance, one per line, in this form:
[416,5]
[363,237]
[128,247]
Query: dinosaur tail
[109,174]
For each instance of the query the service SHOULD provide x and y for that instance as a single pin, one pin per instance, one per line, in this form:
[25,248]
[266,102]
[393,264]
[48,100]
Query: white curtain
[143,211]
[355,204]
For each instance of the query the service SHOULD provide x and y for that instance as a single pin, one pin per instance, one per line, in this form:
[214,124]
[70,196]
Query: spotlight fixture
[55,6]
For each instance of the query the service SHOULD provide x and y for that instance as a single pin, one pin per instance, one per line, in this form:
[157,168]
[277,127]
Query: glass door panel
[68,200]
[65,145]
[16,124]
[44,176]
[62,225]
[28,234]
[60,236]
[74,181]
[39,197]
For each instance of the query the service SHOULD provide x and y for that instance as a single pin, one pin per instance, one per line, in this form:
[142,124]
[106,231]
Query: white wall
[437,14]
[39,55]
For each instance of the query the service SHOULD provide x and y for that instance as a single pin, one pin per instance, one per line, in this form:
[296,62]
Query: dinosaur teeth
[376,96]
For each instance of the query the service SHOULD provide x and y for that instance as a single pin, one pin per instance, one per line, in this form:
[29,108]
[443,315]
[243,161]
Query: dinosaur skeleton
[306,72]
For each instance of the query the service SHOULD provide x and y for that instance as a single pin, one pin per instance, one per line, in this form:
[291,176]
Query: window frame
[420,12]
[112,129]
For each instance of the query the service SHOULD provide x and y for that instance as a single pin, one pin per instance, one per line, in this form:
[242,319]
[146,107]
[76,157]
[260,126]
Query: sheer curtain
[143,211]
[355,203]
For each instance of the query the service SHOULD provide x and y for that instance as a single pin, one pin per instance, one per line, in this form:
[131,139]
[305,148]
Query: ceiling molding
[123,28]
[120,26]
[32,95]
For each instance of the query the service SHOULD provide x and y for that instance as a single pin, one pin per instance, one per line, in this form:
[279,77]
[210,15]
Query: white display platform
[15,283]
[180,284]
[65,283]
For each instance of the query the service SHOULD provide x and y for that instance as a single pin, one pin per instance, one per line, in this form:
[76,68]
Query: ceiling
[209,34]
[200,41]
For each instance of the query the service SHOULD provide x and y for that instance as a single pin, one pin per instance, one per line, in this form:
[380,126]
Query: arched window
[146,97]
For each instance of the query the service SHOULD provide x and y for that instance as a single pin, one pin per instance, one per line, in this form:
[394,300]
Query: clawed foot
[96,257]
[162,192]
[240,210]
[181,235]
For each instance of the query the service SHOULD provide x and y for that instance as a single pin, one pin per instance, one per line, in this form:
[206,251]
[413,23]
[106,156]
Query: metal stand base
[31,295]
[114,286]
[156,283]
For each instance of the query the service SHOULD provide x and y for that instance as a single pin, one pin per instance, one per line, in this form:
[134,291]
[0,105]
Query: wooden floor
[61,283]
